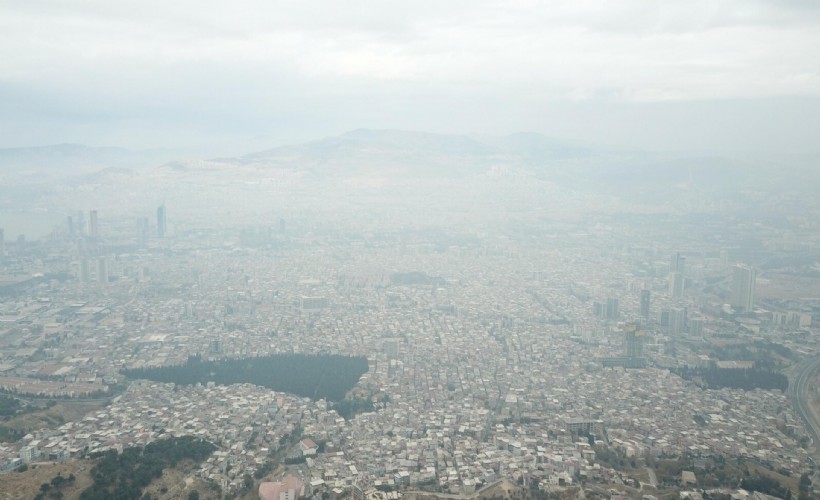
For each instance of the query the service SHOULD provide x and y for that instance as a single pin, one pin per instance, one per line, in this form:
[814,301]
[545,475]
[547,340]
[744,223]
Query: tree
[193,495]
[805,481]
[804,486]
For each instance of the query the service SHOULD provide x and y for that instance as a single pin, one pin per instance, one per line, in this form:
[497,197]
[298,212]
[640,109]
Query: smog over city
[370,250]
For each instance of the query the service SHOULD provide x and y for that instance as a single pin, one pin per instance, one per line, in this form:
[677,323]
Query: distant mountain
[404,153]
[66,160]
[378,159]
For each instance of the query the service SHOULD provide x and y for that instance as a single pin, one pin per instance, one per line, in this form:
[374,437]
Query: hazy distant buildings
[102,270]
[696,326]
[677,264]
[676,282]
[142,231]
[743,287]
[632,352]
[80,223]
[663,317]
[633,342]
[677,320]
[215,346]
[613,309]
[607,310]
[84,273]
[161,221]
[80,244]
[2,242]
[791,319]
[93,225]
[312,304]
[391,348]
[677,275]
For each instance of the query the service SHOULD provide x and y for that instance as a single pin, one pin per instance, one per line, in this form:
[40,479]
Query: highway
[799,386]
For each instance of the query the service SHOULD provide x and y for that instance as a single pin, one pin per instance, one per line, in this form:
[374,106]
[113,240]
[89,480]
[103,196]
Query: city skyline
[485,250]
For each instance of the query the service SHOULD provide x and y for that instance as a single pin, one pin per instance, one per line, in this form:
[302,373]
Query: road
[452,496]
[653,479]
[799,387]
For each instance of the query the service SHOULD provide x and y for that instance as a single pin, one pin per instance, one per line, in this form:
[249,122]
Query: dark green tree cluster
[317,377]
[9,405]
[125,475]
[53,489]
[765,485]
[749,378]
[805,487]
[348,408]
[264,469]
[10,435]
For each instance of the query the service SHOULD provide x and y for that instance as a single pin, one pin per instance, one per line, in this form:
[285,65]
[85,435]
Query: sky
[735,77]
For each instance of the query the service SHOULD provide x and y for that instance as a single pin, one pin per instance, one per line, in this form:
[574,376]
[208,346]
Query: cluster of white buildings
[476,370]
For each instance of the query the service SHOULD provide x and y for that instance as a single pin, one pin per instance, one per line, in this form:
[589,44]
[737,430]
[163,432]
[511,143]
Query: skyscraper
[2,242]
[645,304]
[676,284]
[696,326]
[81,222]
[102,271]
[677,320]
[93,225]
[677,264]
[633,341]
[84,271]
[743,287]
[142,231]
[161,222]
[612,308]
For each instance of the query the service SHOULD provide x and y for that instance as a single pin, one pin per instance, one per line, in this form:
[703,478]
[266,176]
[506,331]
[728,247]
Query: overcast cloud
[731,76]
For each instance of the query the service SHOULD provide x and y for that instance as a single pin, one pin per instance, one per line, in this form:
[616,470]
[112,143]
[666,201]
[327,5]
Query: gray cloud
[208,71]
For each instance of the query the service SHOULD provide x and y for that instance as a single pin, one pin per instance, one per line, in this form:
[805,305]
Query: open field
[17,485]
[13,429]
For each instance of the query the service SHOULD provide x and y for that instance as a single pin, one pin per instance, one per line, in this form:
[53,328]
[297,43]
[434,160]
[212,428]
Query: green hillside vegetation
[318,377]
[125,475]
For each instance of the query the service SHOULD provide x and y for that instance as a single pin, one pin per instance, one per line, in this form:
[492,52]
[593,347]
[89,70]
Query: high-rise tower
[677,275]
[161,222]
[102,271]
[93,225]
[677,320]
[743,287]
[633,341]
[645,294]
[612,308]
[142,231]
[677,264]
[676,284]
[84,271]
